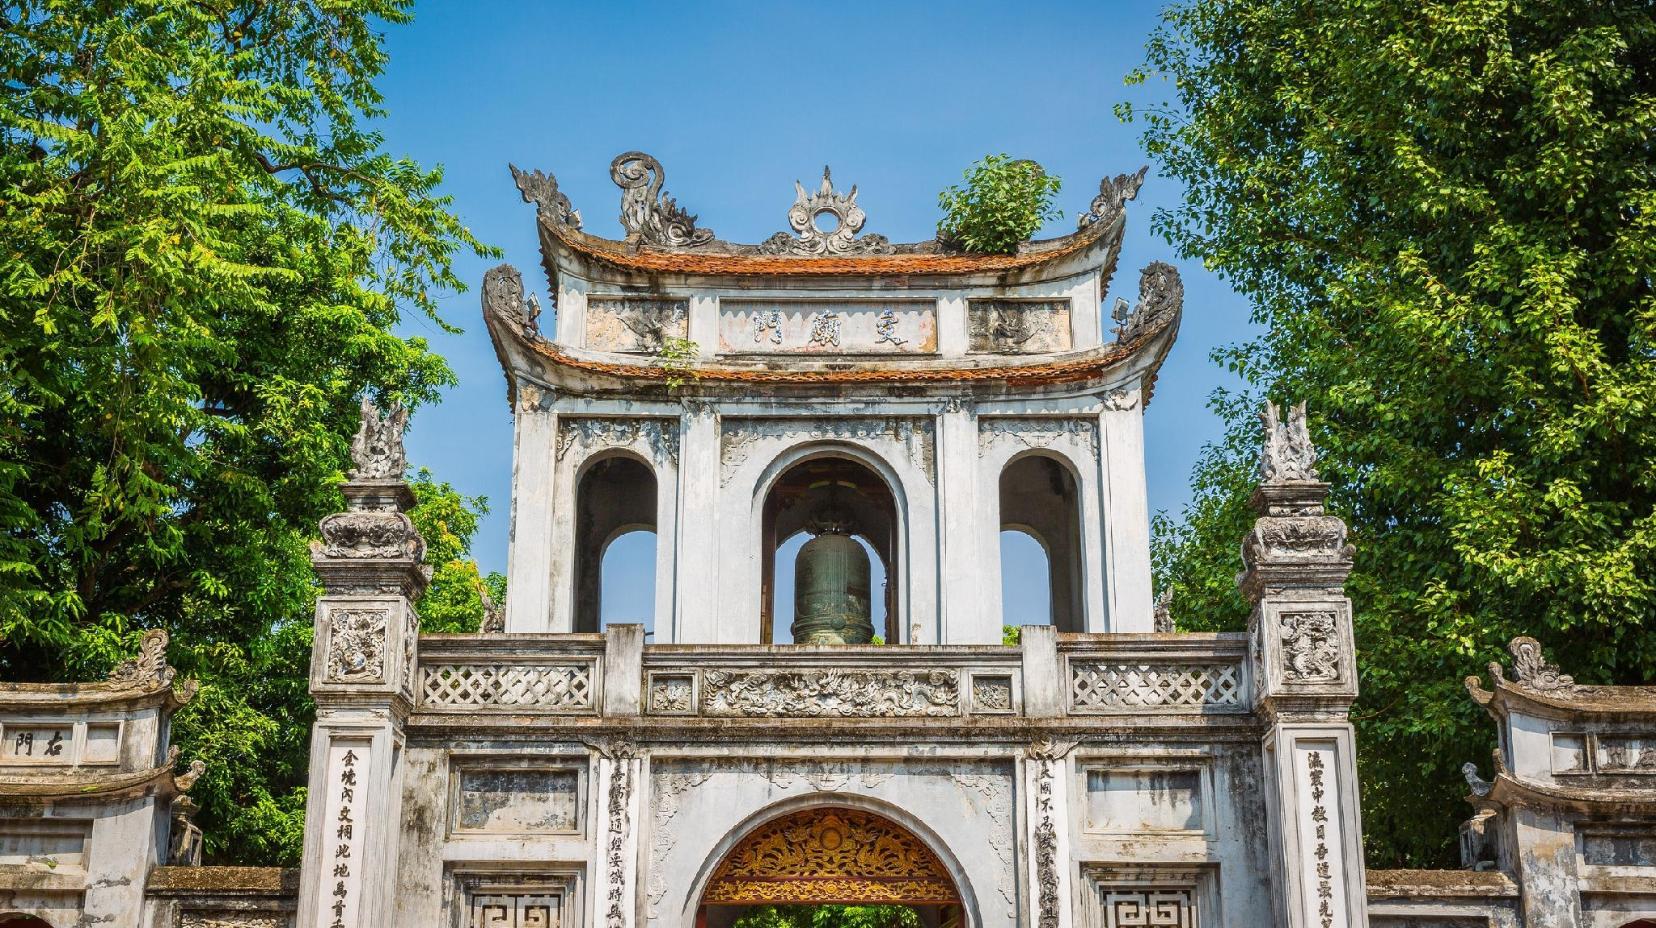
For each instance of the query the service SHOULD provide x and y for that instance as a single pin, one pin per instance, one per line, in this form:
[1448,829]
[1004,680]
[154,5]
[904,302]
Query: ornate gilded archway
[825,856]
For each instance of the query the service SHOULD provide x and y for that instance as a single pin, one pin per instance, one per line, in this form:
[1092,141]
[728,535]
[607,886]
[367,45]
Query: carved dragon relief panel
[634,325]
[740,437]
[1018,326]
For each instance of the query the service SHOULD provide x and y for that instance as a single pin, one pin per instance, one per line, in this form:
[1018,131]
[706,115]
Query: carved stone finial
[1532,669]
[188,778]
[377,449]
[1164,611]
[649,215]
[1287,454]
[494,615]
[504,298]
[1161,296]
[149,670]
[1480,786]
[812,240]
[1113,194]
[550,203]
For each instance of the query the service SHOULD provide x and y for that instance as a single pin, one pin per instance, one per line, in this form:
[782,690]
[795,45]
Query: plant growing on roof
[1003,203]
[675,356]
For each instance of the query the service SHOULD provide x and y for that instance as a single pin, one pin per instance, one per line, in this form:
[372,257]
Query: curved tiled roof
[715,263]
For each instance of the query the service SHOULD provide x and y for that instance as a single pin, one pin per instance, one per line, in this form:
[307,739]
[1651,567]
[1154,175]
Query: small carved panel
[1147,898]
[356,645]
[828,327]
[635,325]
[1134,800]
[1310,646]
[1619,845]
[672,694]
[830,693]
[1106,687]
[1018,326]
[1623,754]
[992,694]
[516,801]
[103,744]
[529,902]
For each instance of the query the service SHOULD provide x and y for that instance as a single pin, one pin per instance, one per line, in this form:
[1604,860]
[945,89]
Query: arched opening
[1026,579]
[614,497]
[19,920]
[830,856]
[627,580]
[1039,498]
[844,496]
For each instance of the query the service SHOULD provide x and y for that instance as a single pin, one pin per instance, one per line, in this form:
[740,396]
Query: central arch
[831,855]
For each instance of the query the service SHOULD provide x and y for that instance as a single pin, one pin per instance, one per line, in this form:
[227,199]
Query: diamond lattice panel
[547,687]
[1099,687]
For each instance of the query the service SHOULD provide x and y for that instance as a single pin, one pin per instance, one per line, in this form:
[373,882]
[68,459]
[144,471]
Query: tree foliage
[829,916]
[205,254]
[1444,214]
[1004,202]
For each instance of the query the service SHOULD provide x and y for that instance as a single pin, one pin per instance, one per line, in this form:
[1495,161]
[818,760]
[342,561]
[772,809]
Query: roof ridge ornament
[1161,295]
[650,216]
[1533,670]
[1287,455]
[377,449]
[814,241]
[1113,194]
[542,190]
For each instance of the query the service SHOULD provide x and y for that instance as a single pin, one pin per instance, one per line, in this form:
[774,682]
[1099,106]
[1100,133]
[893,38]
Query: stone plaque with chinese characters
[828,326]
[37,743]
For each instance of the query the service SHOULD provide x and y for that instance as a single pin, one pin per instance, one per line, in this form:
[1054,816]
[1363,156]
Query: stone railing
[549,674]
[615,674]
[1155,673]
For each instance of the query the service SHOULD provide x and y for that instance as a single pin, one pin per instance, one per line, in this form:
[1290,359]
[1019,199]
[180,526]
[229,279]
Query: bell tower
[887,409]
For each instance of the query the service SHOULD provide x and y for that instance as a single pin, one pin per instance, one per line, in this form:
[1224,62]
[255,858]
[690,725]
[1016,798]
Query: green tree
[1444,215]
[829,916]
[205,254]
[1004,202]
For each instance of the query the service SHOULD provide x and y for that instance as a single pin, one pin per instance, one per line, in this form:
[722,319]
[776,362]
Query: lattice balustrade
[547,687]
[1097,687]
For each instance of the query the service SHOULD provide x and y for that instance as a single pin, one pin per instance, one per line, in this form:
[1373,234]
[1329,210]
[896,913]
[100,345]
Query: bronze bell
[831,584]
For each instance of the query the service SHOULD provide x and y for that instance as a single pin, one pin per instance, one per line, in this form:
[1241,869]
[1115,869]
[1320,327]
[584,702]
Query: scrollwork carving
[649,215]
[503,296]
[148,671]
[371,534]
[1036,432]
[542,190]
[813,241]
[1161,297]
[1113,194]
[661,436]
[740,435]
[1532,669]
[830,693]
[830,855]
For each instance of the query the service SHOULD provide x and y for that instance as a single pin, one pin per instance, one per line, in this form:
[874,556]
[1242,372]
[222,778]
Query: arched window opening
[615,496]
[23,921]
[824,496]
[1038,497]
[1026,580]
[627,586]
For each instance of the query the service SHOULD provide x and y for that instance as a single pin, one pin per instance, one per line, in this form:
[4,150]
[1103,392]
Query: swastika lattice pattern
[1105,687]
[550,687]
[1148,908]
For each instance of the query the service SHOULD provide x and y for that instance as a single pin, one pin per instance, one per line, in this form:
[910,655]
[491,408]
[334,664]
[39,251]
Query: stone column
[618,769]
[695,618]
[966,614]
[363,670]
[534,486]
[1296,561]
[1046,777]
[1126,598]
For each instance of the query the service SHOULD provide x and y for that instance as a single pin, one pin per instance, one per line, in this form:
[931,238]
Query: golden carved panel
[821,856]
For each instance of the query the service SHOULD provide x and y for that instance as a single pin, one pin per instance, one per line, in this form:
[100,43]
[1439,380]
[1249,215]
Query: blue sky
[738,101]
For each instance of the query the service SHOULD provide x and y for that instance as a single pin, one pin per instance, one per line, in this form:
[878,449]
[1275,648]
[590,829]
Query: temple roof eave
[523,354]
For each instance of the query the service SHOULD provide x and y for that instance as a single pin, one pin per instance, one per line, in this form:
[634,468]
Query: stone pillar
[1296,561]
[534,487]
[363,669]
[966,614]
[1046,779]
[618,769]
[696,590]
[1127,598]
